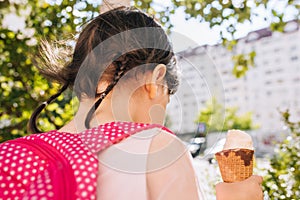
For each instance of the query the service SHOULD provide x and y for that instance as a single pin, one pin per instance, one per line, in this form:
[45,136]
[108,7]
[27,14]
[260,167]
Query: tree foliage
[218,118]
[21,86]
[283,178]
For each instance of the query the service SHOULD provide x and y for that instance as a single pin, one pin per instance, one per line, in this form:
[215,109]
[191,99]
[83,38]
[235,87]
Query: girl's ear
[156,80]
[158,74]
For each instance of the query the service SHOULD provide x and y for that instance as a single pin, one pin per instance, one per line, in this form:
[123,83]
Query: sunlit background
[240,63]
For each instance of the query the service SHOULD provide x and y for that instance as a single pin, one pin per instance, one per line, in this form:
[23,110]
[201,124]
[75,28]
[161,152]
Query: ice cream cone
[235,164]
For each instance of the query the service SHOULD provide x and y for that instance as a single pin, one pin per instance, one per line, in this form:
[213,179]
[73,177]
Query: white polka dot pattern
[30,165]
[99,138]
[19,166]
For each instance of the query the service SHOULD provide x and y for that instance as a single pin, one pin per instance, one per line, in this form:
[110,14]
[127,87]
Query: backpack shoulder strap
[103,136]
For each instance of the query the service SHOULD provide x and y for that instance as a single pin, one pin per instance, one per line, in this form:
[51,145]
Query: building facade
[273,84]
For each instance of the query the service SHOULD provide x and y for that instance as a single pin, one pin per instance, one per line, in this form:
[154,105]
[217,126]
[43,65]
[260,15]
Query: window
[297,79]
[223,54]
[268,82]
[294,58]
[268,72]
[234,88]
[276,49]
[224,72]
[293,48]
[265,62]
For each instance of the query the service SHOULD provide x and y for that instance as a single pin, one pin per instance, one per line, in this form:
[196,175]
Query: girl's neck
[104,114]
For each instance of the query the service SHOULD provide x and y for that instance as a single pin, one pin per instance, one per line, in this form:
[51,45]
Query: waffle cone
[235,164]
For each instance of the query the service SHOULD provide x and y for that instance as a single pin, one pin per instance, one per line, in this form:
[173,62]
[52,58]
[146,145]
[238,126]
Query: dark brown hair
[100,57]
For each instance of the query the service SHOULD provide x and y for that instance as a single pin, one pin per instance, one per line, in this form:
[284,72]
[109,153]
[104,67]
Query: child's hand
[249,189]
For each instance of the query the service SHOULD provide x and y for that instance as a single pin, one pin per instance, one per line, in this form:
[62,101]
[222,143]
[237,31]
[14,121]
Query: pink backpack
[57,165]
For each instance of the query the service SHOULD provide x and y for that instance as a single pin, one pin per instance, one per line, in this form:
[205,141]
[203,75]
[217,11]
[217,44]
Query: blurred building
[274,82]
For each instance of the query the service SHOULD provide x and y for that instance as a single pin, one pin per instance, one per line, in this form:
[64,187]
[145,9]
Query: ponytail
[32,126]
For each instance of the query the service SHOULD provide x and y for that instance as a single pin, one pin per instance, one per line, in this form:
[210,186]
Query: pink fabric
[57,165]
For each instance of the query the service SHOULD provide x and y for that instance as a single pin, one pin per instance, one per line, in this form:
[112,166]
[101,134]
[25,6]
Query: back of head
[109,46]
[125,36]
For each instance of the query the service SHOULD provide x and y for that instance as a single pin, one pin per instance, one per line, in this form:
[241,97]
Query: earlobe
[152,91]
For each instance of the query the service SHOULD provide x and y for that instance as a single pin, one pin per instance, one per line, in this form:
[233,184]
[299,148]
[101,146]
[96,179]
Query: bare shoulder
[166,150]
[163,139]
[170,171]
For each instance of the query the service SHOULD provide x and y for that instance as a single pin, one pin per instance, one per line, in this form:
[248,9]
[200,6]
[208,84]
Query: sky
[200,34]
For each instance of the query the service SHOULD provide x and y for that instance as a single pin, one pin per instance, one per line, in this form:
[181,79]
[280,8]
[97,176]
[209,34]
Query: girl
[123,71]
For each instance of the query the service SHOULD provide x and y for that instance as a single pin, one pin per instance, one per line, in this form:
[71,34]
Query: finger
[257,178]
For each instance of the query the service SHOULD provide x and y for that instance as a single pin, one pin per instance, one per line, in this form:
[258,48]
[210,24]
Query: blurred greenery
[24,23]
[22,88]
[218,118]
[283,177]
